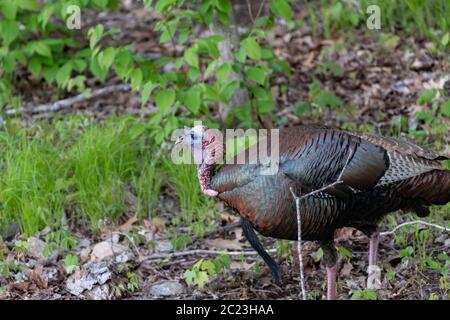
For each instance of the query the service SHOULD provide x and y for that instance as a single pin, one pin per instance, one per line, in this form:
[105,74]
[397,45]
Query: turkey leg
[374,240]
[330,259]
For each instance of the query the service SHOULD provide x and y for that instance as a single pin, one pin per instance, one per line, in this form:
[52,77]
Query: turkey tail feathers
[433,187]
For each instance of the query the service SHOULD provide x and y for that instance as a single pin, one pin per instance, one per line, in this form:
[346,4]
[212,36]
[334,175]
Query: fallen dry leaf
[346,269]
[228,218]
[128,225]
[38,277]
[22,286]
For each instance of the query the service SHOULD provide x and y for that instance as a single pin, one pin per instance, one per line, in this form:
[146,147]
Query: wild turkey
[379,174]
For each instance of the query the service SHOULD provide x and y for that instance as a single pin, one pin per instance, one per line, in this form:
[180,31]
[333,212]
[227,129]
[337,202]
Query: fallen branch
[65,103]
[299,246]
[136,249]
[409,223]
[299,223]
[201,251]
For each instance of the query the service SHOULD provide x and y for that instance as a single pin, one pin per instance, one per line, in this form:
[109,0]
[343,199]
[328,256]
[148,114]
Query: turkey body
[379,175]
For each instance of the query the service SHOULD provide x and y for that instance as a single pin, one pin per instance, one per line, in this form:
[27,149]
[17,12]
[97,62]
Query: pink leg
[373,248]
[331,283]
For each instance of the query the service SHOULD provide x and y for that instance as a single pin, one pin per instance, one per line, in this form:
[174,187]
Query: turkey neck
[212,153]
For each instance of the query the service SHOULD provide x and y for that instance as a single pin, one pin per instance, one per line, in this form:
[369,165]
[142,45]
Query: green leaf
[210,69]
[193,74]
[101,4]
[29,5]
[35,66]
[326,98]
[336,11]
[107,57]
[63,74]
[301,108]
[201,279]
[171,125]
[9,9]
[265,106]
[79,65]
[252,48]
[10,31]
[70,263]
[281,8]
[445,108]
[241,55]
[137,129]
[189,276]
[96,69]
[95,34]
[223,71]
[183,35]
[445,39]
[136,79]
[343,251]
[162,5]
[426,96]
[192,100]
[50,74]
[228,90]
[123,63]
[148,88]
[45,15]
[209,266]
[261,21]
[223,5]
[42,48]
[147,4]
[164,99]
[191,57]
[255,74]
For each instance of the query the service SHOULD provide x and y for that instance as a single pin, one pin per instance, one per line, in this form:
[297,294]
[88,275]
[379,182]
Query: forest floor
[378,76]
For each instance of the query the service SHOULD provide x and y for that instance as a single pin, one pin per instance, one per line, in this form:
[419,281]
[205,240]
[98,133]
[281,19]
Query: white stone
[106,250]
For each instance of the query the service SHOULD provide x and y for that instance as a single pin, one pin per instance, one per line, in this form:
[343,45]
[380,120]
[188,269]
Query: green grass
[197,210]
[77,173]
[429,19]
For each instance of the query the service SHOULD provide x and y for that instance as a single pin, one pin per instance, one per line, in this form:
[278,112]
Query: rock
[87,276]
[36,248]
[167,288]
[163,245]
[123,257]
[447,243]
[84,243]
[84,254]
[99,293]
[106,250]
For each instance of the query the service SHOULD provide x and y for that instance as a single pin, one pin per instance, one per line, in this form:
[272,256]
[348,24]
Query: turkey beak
[185,134]
[179,140]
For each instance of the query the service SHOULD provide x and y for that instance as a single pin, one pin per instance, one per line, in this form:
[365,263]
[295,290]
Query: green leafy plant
[364,295]
[203,269]
[70,263]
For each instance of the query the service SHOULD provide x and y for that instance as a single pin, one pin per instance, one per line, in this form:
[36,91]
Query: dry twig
[201,251]
[65,103]
[299,223]
[408,223]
